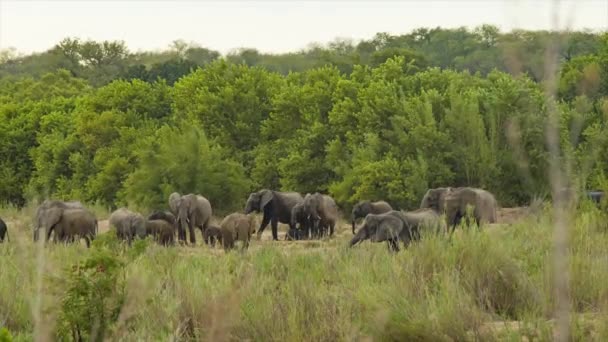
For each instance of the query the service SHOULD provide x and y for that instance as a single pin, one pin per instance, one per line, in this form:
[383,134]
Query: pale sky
[269,26]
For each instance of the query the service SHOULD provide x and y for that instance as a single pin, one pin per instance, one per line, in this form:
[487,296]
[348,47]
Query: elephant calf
[237,227]
[212,234]
[361,209]
[128,224]
[395,226]
[3,231]
[299,228]
[162,231]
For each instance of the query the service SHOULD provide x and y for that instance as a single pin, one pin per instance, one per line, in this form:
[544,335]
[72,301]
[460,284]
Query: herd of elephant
[308,216]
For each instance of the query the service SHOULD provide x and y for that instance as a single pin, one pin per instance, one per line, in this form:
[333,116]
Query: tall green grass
[488,284]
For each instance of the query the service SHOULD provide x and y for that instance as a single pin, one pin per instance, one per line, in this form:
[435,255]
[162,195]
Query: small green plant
[5,335]
[94,294]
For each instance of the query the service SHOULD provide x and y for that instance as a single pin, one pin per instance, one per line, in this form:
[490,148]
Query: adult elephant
[435,198]
[192,211]
[457,200]
[361,209]
[72,223]
[276,207]
[394,226]
[48,213]
[322,212]
[128,224]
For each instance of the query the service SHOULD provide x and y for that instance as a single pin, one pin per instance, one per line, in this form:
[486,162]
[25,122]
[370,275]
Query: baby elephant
[161,225]
[3,231]
[237,226]
[128,224]
[212,234]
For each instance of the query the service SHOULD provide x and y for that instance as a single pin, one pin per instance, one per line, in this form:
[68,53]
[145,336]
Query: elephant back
[488,205]
[79,222]
[329,208]
[289,199]
[380,207]
[425,219]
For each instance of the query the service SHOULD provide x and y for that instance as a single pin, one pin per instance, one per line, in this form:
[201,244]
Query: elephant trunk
[360,236]
[353,221]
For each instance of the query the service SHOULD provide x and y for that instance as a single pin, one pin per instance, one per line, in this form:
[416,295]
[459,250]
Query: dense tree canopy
[385,118]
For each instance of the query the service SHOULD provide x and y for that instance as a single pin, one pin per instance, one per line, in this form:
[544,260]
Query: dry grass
[493,284]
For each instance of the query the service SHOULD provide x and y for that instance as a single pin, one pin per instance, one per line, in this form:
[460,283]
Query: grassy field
[494,284]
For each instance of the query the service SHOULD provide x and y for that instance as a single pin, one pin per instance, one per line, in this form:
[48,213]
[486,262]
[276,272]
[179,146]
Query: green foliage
[184,160]
[5,335]
[94,296]
[383,119]
[484,284]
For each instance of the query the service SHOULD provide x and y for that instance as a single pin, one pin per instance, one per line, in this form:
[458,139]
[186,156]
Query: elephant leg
[191,232]
[263,225]
[87,241]
[331,229]
[48,233]
[181,233]
[274,225]
[393,245]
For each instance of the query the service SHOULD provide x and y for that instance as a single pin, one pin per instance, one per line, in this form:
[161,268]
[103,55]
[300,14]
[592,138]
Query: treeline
[482,49]
[118,128]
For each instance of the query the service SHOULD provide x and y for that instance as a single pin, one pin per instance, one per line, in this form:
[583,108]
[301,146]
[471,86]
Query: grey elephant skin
[424,220]
[322,211]
[361,209]
[49,212]
[276,207]
[300,227]
[3,231]
[237,227]
[435,198]
[454,202]
[192,211]
[483,202]
[391,227]
[74,223]
[395,226]
[128,224]
[212,234]
[161,226]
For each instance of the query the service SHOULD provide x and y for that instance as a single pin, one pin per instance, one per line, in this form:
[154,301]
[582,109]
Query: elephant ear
[266,197]
[174,202]
[51,217]
[388,230]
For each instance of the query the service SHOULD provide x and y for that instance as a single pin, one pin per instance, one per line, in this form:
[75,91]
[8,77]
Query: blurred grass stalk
[561,199]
